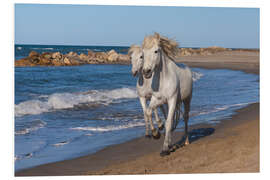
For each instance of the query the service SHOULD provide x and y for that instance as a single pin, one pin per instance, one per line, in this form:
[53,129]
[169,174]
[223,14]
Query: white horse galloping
[171,84]
[145,91]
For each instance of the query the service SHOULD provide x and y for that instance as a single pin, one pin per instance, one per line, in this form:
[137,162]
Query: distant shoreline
[112,57]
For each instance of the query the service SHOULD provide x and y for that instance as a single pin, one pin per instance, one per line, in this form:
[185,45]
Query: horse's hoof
[164,153]
[156,134]
[187,141]
[173,148]
[147,136]
[161,127]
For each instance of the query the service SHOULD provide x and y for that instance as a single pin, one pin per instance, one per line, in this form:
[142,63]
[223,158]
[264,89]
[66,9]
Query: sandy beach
[231,146]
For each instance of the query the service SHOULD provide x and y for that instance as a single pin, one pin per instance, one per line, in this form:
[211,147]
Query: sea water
[66,112]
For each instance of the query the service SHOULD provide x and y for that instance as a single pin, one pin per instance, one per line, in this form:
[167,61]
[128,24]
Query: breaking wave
[59,101]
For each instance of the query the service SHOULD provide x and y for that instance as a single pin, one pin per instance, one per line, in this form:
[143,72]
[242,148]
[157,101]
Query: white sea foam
[31,107]
[108,128]
[36,125]
[196,76]
[61,143]
[58,101]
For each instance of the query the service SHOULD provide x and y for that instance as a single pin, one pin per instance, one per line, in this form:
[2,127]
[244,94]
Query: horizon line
[130,45]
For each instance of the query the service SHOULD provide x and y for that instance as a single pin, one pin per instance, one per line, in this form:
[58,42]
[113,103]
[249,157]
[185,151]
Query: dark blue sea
[66,112]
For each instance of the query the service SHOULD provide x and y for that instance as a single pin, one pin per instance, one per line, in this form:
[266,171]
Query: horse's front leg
[143,104]
[160,123]
[154,103]
[155,132]
[168,126]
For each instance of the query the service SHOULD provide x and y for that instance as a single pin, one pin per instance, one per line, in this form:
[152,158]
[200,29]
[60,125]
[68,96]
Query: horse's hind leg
[186,117]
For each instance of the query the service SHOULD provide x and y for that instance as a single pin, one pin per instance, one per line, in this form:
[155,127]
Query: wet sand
[231,146]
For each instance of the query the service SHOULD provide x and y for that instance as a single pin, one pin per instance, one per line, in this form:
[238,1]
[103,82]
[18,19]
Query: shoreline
[124,159]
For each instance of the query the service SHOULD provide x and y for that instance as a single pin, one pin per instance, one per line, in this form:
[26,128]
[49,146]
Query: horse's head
[136,55]
[153,46]
[151,54]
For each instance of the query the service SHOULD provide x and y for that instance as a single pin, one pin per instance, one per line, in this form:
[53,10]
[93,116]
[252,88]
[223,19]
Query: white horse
[171,84]
[145,91]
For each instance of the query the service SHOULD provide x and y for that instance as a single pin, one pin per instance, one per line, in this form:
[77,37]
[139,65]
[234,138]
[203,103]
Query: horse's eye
[141,57]
[156,51]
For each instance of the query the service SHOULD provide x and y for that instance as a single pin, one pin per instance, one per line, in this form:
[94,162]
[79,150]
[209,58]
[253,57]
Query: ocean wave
[35,125]
[59,101]
[109,128]
[196,76]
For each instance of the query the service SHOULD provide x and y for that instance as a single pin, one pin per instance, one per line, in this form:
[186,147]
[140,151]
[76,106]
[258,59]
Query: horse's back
[185,75]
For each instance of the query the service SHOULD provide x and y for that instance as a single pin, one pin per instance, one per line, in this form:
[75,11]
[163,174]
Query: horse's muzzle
[134,73]
[147,73]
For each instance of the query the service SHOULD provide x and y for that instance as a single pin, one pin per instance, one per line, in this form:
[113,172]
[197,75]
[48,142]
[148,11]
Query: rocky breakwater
[71,59]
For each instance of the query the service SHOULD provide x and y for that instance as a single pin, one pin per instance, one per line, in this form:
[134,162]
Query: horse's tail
[176,117]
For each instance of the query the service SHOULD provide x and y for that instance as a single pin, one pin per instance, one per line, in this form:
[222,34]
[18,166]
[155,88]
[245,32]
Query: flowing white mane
[169,46]
[134,49]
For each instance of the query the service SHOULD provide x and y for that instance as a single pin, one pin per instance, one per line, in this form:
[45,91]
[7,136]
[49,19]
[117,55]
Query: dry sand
[231,146]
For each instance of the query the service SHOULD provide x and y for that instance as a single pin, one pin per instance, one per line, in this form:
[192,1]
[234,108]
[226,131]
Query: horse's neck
[163,68]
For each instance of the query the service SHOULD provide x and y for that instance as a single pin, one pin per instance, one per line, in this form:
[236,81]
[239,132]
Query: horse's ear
[130,50]
[157,35]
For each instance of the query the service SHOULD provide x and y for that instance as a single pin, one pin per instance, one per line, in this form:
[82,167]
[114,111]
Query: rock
[123,57]
[72,54]
[56,62]
[33,54]
[23,62]
[74,61]
[91,54]
[101,55]
[83,57]
[112,56]
[46,55]
[34,57]
[67,61]
[57,55]
[44,61]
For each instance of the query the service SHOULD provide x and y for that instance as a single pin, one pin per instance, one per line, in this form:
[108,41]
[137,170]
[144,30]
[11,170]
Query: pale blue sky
[126,25]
